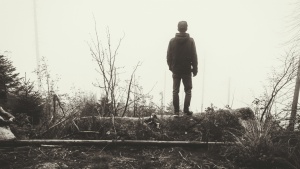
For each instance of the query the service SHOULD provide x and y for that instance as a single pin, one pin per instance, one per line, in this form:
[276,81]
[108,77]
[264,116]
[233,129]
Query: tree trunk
[110,142]
[291,125]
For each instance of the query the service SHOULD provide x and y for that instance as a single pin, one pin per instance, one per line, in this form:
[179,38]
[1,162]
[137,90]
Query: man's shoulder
[172,39]
[191,39]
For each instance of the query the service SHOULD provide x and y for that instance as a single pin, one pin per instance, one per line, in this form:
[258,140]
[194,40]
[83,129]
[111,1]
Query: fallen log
[39,142]
[127,118]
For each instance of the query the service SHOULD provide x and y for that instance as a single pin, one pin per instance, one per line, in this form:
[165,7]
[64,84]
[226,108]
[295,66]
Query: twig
[193,162]
[75,124]
[104,148]
[66,136]
[129,91]
[58,124]
[42,152]
[182,156]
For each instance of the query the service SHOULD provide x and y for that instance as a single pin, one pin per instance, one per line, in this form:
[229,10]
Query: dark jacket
[182,55]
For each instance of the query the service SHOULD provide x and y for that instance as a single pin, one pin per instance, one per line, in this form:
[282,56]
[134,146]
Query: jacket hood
[182,37]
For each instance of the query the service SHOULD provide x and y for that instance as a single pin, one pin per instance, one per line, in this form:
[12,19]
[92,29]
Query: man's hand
[194,74]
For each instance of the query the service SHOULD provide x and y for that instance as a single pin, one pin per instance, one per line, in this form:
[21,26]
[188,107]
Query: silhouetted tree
[9,79]
[28,101]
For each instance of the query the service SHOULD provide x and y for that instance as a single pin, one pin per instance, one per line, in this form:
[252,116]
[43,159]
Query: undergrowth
[210,126]
[263,145]
[257,144]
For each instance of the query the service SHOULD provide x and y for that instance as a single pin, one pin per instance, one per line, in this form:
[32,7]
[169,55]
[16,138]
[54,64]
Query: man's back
[182,54]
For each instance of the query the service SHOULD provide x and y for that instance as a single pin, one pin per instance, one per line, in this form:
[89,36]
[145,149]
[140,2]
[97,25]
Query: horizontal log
[128,118]
[109,142]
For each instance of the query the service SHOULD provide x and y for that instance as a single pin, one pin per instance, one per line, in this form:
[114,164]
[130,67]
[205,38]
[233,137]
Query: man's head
[182,26]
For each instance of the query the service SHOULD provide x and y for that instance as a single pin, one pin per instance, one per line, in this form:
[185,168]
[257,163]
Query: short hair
[182,26]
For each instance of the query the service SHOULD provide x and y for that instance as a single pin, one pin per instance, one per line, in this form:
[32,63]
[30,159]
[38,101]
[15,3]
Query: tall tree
[9,79]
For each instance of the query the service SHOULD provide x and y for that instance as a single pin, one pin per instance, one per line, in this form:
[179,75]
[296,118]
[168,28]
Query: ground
[210,127]
[91,157]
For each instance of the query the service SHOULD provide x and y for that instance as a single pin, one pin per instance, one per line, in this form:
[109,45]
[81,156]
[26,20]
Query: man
[182,60]
[5,118]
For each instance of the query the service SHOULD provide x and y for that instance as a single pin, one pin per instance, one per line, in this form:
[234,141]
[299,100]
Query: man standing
[182,61]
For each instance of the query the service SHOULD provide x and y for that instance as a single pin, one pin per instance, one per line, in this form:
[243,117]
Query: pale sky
[237,42]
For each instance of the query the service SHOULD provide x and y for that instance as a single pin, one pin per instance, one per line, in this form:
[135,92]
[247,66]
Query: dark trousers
[187,83]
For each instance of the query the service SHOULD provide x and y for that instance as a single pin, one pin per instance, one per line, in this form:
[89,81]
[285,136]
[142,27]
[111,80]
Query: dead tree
[105,57]
[280,83]
[44,76]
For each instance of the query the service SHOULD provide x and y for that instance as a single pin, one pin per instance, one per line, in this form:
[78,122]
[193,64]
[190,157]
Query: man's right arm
[169,56]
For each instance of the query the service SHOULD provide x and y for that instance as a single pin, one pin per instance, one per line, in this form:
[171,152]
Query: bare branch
[281,81]
[128,94]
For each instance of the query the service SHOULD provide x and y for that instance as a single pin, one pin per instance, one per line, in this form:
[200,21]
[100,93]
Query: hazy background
[237,41]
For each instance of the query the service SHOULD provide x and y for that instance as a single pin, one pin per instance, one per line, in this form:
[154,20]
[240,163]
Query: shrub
[22,128]
[260,147]
[26,100]
[218,125]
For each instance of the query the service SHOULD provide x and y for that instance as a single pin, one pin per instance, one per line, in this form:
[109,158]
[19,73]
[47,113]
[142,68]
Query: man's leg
[187,82]
[176,86]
